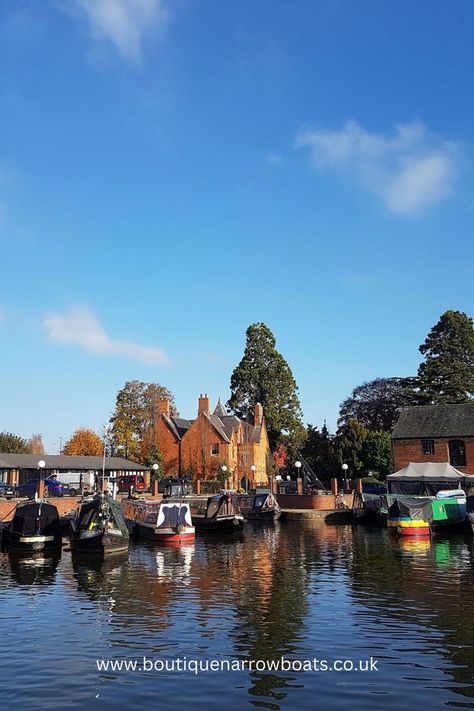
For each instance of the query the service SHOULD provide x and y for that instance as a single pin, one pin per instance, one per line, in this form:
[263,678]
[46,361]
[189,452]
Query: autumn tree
[447,373]
[135,416]
[35,445]
[13,444]
[264,376]
[85,443]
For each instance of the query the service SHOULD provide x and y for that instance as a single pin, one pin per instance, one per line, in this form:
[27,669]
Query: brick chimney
[203,404]
[258,415]
[164,407]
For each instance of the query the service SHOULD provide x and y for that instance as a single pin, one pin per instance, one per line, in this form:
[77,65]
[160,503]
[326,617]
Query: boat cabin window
[457,453]
[427,446]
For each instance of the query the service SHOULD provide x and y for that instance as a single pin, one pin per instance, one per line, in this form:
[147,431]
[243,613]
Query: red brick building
[435,433]
[204,445]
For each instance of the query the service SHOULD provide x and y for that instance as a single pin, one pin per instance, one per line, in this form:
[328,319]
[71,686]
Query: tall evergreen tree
[447,373]
[264,376]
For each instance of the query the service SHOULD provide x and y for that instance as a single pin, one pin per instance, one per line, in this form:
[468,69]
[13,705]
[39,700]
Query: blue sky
[172,171]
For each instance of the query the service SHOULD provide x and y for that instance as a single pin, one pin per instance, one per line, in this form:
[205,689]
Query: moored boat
[168,521]
[426,498]
[261,506]
[221,513]
[34,527]
[99,527]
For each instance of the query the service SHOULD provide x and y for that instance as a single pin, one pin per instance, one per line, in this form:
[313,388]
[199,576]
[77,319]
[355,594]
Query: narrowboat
[219,514]
[34,527]
[99,527]
[168,521]
[261,506]
[426,498]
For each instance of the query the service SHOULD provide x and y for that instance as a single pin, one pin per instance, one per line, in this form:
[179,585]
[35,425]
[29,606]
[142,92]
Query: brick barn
[435,433]
[202,446]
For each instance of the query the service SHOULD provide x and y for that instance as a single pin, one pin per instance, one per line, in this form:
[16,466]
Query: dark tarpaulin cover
[420,488]
[33,517]
[415,509]
[90,508]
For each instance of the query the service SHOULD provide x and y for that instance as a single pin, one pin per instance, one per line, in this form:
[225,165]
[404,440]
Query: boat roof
[427,471]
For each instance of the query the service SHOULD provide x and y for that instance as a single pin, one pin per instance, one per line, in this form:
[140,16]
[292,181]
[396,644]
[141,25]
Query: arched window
[457,453]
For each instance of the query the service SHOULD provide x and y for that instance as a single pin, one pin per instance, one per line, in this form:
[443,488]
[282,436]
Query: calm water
[298,591]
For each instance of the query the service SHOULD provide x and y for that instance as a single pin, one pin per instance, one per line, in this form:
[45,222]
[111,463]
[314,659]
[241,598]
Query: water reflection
[34,568]
[297,590]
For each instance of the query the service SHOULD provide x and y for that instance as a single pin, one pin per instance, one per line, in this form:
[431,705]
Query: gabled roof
[430,421]
[66,463]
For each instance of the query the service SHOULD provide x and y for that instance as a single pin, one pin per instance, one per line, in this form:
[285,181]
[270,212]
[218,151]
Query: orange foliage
[85,443]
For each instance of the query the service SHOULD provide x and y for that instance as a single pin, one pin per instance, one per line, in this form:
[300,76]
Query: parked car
[7,490]
[78,482]
[137,481]
[52,487]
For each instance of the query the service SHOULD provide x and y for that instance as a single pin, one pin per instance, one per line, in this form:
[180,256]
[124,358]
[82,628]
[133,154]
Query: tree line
[362,439]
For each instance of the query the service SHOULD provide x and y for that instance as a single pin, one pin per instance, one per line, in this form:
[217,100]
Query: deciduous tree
[84,443]
[13,444]
[447,372]
[264,376]
[135,416]
[35,444]
[377,403]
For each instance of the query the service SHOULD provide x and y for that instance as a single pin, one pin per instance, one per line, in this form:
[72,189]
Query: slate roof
[220,410]
[225,425]
[65,463]
[431,421]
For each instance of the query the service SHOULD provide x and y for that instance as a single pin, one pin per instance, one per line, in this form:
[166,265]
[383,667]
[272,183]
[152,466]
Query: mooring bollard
[198,487]
[40,489]
[359,486]
[299,487]
[154,488]
[334,487]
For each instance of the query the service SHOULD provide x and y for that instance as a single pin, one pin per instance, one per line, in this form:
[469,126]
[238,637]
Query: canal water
[296,592]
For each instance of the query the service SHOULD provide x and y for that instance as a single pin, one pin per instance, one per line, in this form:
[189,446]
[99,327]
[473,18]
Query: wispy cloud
[274,158]
[410,171]
[79,326]
[124,23]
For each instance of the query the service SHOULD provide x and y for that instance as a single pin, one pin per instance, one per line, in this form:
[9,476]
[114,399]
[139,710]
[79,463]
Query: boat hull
[222,524]
[101,543]
[164,535]
[30,544]
[408,527]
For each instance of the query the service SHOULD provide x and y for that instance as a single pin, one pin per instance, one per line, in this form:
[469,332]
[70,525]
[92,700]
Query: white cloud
[122,22]
[409,171]
[80,326]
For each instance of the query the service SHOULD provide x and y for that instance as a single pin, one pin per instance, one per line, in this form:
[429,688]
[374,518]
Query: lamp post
[253,469]
[40,489]
[154,483]
[278,480]
[345,467]
[223,470]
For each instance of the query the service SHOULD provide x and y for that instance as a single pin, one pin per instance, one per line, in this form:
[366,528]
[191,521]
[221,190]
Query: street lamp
[298,467]
[345,467]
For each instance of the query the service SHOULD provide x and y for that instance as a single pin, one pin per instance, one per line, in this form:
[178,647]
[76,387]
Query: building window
[457,453]
[427,446]
[215,450]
